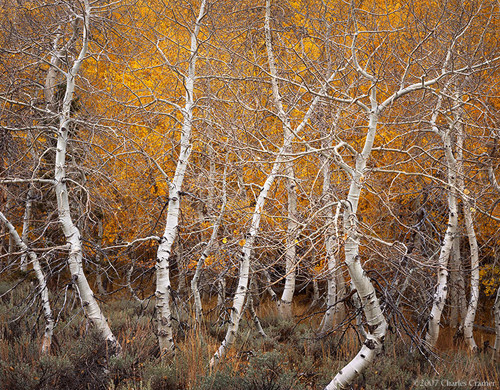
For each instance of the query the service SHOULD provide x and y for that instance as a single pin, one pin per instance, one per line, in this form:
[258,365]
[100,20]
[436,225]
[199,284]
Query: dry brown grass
[293,357]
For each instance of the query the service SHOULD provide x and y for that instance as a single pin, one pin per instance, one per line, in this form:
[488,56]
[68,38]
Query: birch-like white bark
[26,223]
[71,232]
[42,284]
[439,299]
[474,278]
[468,323]
[241,290]
[332,307]
[251,311]
[375,319]
[130,289]
[268,285]
[315,299]
[206,252]
[285,303]
[244,274]
[255,318]
[163,287]
[456,284]
[377,324]
[221,291]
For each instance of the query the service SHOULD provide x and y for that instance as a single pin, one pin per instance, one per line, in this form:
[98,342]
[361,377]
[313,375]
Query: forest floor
[293,356]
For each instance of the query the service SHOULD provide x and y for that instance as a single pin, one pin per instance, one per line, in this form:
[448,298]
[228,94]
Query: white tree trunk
[26,223]
[315,299]
[163,287]
[129,285]
[206,252]
[432,334]
[285,303]
[456,284]
[221,291]
[70,231]
[474,281]
[376,322]
[468,324]
[244,274]
[253,314]
[332,307]
[240,294]
[43,290]
[375,319]
[268,285]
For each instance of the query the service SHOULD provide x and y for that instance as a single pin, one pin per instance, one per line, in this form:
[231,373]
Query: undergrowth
[292,357]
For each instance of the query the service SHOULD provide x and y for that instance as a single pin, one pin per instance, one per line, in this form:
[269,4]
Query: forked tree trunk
[468,210]
[163,286]
[439,300]
[71,232]
[249,305]
[130,289]
[376,323]
[268,285]
[285,303]
[42,284]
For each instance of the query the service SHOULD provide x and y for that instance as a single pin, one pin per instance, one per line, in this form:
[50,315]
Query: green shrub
[163,377]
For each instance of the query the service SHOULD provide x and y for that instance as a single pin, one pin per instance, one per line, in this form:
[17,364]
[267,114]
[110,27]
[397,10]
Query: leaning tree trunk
[468,323]
[42,283]
[71,232]
[332,235]
[439,300]
[163,287]
[244,274]
[376,323]
[26,222]
[285,303]
[474,281]
[442,267]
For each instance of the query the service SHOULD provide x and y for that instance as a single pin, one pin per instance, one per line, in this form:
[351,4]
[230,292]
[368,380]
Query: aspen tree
[70,230]
[163,285]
